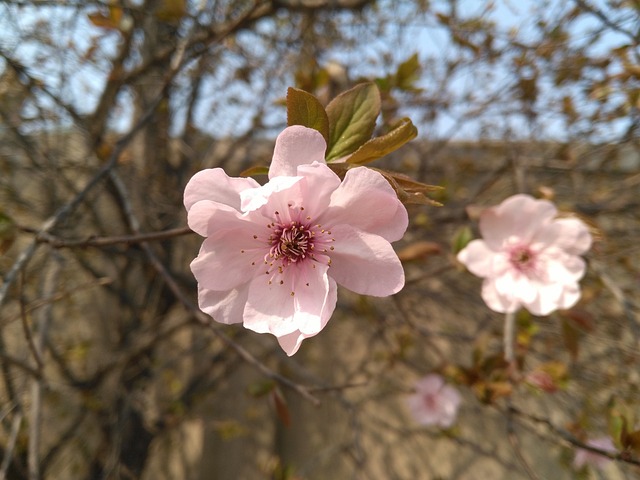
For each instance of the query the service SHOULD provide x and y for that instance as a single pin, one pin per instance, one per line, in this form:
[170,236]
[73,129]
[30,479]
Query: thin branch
[11,444]
[515,446]
[93,241]
[569,438]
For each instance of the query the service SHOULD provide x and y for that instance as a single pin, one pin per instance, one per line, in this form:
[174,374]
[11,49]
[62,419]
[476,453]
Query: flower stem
[509,327]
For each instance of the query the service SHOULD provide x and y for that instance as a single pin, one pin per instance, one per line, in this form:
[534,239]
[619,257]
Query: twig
[509,327]
[58,296]
[107,241]
[11,445]
[569,438]
[515,445]
[27,331]
[37,385]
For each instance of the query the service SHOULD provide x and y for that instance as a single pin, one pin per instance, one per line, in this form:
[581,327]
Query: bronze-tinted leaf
[380,146]
[306,110]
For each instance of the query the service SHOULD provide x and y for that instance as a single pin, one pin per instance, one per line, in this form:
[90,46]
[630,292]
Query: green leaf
[408,72]
[261,388]
[461,239]
[306,110]
[571,338]
[352,118]
[255,171]
[8,231]
[381,146]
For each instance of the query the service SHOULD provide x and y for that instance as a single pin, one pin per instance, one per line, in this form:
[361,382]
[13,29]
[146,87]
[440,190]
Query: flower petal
[569,234]
[266,194]
[497,301]
[320,182]
[365,263]
[228,259]
[294,198]
[478,258]
[206,217]
[291,342]
[430,383]
[366,201]
[215,185]
[224,307]
[296,145]
[301,298]
[520,216]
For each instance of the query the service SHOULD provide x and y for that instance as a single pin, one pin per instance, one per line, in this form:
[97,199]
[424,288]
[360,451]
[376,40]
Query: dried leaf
[110,21]
[419,251]
[282,410]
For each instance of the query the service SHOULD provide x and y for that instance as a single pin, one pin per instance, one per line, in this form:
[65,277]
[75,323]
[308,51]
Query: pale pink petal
[291,342]
[434,402]
[449,403]
[317,188]
[300,198]
[206,217]
[565,268]
[550,297]
[215,185]
[366,201]
[224,307]
[256,198]
[497,301]
[429,383]
[478,258]
[587,457]
[365,263]
[272,308]
[519,215]
[569,234]
[227,260]
[570,296]
[296,145]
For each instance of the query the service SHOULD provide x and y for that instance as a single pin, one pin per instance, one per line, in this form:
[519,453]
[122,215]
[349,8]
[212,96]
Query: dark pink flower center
[430,401]
[291,243]
[522,258]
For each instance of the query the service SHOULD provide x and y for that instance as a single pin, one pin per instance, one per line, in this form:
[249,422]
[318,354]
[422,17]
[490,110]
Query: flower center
[290,242]
[522,258]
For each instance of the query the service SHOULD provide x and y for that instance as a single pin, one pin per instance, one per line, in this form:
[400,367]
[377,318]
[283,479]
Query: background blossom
[527,257]
[587,457]
[434,403]
[273,254]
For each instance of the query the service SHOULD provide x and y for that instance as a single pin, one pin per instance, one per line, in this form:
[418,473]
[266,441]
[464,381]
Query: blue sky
[79,82]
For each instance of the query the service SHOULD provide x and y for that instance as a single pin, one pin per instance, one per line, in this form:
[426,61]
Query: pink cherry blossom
[586,457]
[528,257]
[273,254]
[434,403]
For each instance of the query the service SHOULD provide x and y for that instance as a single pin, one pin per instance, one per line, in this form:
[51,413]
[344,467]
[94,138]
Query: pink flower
[274,253]
[528,258]
[587,457]
[434,402]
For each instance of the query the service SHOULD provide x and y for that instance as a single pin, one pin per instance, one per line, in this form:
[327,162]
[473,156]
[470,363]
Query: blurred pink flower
[587,457]
[274,253]
[527,257]
[434,402]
